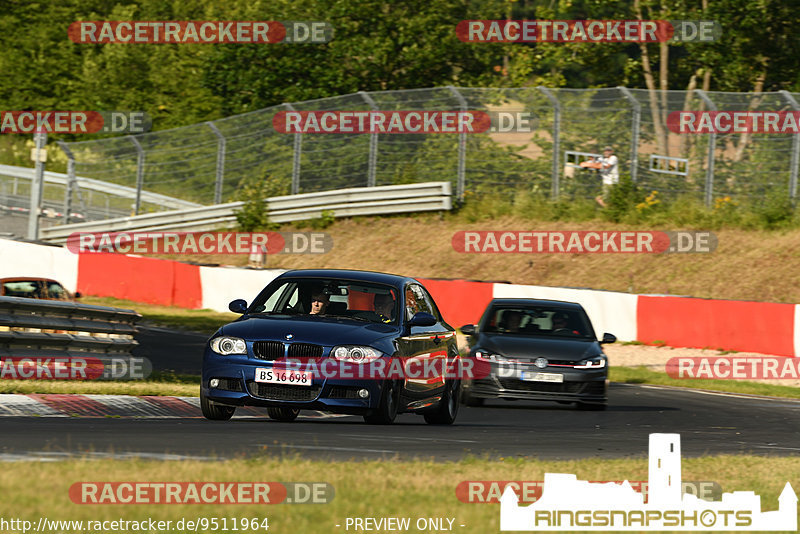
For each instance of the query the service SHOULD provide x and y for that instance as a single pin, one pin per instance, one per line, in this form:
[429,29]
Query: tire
[213,411]
[447,410]
[586,407]
[286,415]
[386,411]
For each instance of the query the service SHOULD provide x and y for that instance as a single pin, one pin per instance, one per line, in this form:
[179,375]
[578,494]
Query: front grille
[548,387]
[268,350]
[344,392]
[281,392]
[230,384]
[305,350]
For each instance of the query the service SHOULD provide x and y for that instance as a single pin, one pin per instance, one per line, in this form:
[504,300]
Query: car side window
[431,305]
[415,301]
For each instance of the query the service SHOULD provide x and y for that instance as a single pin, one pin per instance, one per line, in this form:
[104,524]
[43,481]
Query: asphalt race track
[708,424]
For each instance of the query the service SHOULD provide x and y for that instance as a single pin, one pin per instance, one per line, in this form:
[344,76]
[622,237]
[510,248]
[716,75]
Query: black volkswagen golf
[351,342]
[537,350]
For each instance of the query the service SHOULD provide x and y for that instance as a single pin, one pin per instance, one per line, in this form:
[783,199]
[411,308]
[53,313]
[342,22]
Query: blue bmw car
[351,342]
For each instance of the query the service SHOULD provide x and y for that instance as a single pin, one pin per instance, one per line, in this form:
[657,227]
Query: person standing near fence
[609,171]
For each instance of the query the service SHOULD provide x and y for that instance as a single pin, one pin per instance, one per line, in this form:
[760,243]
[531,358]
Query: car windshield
[326,297]
[539,321]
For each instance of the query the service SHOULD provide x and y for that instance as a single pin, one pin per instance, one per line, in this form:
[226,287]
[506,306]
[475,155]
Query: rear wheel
[445,413]
[287,415]
[213,411]
[387,409]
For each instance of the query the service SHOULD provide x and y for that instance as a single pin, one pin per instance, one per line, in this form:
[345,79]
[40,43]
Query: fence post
[298,150]
[795,149]
[373,144]
[72,183]
[37,187]
[635,123]
[556,133]
[712,145]
[139,173]
[220,171]
[462,147]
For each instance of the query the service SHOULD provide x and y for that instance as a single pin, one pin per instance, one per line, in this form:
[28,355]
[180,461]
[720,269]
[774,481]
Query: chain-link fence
[209,163]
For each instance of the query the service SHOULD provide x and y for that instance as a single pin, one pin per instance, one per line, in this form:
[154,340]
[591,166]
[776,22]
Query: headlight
[355,354]
[597,362]
[228,345]
[491,357]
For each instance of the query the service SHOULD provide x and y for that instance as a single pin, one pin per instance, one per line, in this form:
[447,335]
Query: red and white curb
[124,406]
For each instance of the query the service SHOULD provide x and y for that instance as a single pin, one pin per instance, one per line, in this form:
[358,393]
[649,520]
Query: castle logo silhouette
[570,504]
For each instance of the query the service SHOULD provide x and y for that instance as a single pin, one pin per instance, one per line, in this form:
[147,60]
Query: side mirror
[468,329]
[608,338]
[238,306]
[77,295]
[422,319]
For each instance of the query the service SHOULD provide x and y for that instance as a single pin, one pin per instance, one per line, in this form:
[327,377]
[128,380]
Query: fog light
[214,382]
[363,393]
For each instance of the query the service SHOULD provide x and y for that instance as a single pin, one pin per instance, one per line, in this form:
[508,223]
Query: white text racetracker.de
[400,523]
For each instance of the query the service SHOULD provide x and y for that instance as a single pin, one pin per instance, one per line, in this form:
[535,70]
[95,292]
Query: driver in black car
[384,306]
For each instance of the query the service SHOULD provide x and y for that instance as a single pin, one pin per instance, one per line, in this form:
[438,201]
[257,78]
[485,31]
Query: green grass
[643,375]
[416,489]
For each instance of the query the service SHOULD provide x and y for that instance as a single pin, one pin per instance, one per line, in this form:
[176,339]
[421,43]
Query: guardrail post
[462,147]
[220,172]
[298,151]
[373,144]
[72,183]
[556,136]
[712,145]
[635,123]
[37,187]
[795,150]
[139,173]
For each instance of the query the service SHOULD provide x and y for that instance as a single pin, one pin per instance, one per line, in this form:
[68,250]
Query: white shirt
[611,174]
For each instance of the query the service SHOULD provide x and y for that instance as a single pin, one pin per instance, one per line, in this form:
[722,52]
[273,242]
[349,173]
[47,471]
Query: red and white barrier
[765,327]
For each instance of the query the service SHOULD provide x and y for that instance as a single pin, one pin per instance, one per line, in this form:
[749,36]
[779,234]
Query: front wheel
[447,409]
[213,411]
[387,409]
[286,415]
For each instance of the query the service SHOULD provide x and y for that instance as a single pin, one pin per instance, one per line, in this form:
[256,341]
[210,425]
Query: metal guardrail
[42,329]
[383,200]
[89,184]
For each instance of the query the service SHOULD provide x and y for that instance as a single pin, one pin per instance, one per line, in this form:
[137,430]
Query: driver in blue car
[319,303]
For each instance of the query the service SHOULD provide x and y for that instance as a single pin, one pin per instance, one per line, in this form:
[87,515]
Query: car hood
[532,347]
[307,329]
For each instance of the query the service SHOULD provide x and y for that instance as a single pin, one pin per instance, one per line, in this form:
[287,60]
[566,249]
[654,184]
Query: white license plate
[283,376]
[527,376]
